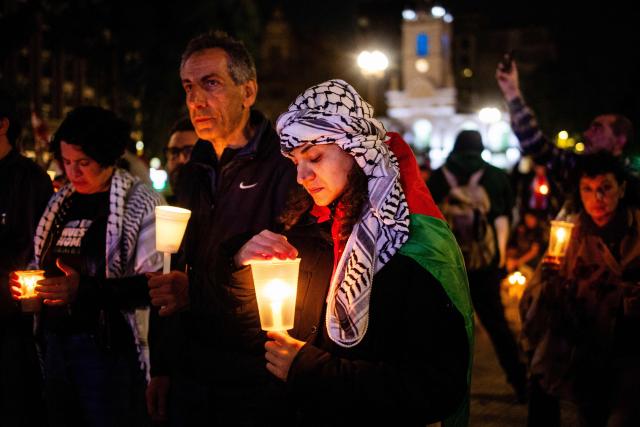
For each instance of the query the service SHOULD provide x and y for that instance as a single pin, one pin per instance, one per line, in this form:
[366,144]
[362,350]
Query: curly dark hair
[240,63]
[100,134]
[348,206]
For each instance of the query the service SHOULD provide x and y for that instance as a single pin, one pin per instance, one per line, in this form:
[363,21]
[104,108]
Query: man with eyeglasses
[182,139]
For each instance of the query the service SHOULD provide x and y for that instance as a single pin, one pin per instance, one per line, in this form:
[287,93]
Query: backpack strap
[450,177]
[476,177]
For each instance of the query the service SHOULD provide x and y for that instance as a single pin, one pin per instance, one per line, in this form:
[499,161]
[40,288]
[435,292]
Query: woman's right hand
[266,245]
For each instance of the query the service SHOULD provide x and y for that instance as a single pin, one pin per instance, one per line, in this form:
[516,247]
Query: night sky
[595,69]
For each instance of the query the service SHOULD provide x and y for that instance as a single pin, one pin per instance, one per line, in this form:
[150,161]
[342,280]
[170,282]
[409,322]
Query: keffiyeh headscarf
[333,113]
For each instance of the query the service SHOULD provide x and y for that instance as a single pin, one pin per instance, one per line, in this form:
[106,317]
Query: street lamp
[372,64]
[488,116]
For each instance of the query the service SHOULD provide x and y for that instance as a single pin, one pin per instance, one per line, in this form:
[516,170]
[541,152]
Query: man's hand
[60,290]
[508,81]
[281,352]
[169,291]
[266,245]
[157,396]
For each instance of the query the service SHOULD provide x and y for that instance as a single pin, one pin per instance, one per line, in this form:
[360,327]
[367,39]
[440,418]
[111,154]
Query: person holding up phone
[609,132]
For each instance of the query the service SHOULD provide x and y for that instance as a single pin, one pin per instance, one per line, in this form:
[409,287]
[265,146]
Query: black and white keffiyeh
[334,113]
[130,241]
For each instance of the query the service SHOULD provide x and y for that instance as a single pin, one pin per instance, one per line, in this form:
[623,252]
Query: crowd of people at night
[397,264]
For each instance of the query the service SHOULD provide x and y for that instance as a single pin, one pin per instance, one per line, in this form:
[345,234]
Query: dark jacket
[24,192]
[231,199]
[411,366]
[495,182]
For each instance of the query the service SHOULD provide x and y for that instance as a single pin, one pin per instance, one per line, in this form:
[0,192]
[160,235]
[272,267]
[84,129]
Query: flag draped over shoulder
[432,245]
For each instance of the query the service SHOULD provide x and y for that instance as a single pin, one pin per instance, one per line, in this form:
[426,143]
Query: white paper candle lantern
[171,223]
[559,238]
[276,284]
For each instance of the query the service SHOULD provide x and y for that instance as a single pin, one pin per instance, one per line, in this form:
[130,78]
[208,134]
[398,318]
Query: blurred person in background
[24,192]
[182,139]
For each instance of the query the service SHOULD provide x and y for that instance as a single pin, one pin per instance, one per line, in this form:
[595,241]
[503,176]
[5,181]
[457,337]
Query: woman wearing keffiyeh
[395,341]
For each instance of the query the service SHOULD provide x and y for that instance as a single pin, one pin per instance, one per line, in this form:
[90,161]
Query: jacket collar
[203,151]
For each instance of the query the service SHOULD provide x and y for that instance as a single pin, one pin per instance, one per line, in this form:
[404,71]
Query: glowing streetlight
[438,11]
[489,115]
[409,15]
[372,64]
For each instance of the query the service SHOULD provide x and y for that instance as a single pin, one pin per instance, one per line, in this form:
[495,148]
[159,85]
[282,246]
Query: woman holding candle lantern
[95,240]
[393,347]
[581,309]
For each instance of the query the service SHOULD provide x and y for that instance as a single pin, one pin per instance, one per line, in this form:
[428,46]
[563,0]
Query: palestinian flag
[432,245]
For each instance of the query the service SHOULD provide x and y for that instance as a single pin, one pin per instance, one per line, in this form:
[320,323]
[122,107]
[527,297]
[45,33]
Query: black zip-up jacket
[231,199]
[411,366]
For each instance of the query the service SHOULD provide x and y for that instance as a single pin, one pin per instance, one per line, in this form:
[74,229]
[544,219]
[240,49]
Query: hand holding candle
[280,353]
[559,238]
[265,245]
[23,284]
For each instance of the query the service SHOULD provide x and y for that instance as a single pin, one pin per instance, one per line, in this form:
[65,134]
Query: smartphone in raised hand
[507,62]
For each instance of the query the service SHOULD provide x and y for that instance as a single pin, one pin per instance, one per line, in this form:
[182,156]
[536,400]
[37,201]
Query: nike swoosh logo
[244,187]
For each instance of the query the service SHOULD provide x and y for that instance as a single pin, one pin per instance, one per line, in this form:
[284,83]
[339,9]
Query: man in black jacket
[236,185]
[24,192]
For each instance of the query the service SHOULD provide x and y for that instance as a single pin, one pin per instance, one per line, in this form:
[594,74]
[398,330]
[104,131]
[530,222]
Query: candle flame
[28,281]
[517,278]
[277,290]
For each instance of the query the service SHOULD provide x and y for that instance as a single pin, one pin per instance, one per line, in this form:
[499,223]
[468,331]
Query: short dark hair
[9,111]
[183,124]
[100,134]
[240,63]
[601,163]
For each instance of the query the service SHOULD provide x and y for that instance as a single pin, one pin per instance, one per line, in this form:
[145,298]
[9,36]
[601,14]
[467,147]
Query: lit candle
[171,223]
[517,278]
[559,238]
[29,299]
[276,283]
[277,291]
